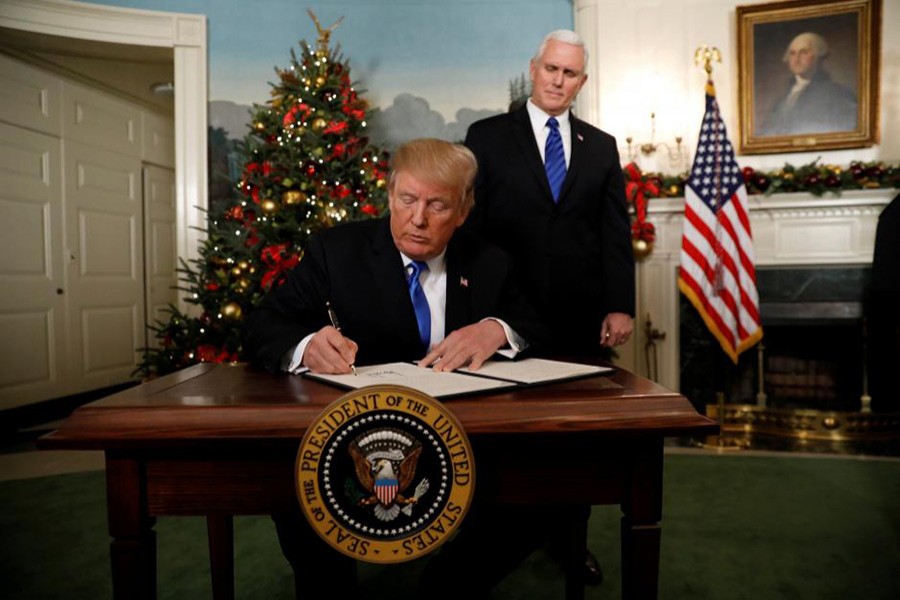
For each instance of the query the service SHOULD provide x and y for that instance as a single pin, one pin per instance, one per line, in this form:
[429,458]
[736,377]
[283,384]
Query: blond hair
[448,165]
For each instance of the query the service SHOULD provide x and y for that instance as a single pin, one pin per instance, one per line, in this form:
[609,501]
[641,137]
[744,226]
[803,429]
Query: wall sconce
[163,88]
[675,153]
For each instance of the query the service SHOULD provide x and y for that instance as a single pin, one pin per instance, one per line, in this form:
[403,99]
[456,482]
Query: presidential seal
[385,474]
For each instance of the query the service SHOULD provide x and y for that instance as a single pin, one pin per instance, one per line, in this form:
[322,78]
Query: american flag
[717,273]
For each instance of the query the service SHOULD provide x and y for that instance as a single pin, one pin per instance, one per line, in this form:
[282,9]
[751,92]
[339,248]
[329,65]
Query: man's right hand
[329,352]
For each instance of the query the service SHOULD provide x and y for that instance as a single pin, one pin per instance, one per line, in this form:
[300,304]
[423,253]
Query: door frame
[186,35]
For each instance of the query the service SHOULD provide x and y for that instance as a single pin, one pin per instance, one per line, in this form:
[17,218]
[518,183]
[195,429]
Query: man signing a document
[387,290]
[406,287]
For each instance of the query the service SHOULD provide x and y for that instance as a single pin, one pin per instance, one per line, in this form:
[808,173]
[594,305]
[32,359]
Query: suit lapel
[579,158]
[391,286]
[524,134]
[459,300]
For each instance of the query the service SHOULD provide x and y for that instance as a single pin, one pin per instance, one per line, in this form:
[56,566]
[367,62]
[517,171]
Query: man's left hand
[471,345]
[615,330]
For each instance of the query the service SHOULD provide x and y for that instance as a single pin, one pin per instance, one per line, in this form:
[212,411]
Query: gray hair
[815,41]
[567,36]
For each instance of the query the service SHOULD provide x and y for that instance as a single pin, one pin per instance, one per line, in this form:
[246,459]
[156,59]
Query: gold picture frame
[808,75]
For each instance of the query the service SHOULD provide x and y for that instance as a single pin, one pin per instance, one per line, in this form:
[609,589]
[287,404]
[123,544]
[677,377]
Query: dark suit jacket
[358,269]
[573,260]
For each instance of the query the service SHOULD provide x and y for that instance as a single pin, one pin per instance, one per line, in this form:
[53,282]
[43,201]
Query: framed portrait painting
[809,73]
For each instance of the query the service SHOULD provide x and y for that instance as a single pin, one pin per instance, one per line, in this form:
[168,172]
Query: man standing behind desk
[550,191]
[396,285]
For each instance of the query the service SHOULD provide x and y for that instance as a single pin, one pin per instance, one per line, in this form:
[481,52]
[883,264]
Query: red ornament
[235,213]
[369,209]
[747,172]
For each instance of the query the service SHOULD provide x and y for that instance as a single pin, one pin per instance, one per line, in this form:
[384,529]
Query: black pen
[332,316]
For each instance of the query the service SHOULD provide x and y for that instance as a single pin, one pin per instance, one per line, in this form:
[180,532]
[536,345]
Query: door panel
[159,244]
[29,97]
[32,280]
[101,120]
[104,224]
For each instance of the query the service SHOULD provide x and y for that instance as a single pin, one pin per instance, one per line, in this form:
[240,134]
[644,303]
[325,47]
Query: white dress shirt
[542,130]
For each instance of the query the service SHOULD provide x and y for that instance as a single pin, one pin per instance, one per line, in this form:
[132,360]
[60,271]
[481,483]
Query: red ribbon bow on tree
[279,263]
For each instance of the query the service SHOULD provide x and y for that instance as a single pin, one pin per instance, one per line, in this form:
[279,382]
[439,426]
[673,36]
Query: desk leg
[220,529]
[641,531]
[133,547]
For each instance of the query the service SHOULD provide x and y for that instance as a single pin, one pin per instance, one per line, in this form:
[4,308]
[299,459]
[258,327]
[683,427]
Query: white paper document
[530,371]
[492,376]
[428,381]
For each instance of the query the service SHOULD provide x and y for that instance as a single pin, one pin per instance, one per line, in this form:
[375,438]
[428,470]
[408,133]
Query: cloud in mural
[411,117]
[230,116]
[407,118]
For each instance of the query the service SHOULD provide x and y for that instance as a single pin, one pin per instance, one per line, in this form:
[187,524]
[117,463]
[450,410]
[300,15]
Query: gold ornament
[231,311]
[259,125]
[380,183]
[320,81]
[236,271]
[243,284]
[673,190]
[319,124]
[268,206]
[244,265]
[293,197]
[642,249]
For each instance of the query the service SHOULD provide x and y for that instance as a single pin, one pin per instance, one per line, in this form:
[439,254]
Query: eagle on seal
[385,464]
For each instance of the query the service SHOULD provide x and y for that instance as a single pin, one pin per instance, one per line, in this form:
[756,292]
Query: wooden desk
[218,441]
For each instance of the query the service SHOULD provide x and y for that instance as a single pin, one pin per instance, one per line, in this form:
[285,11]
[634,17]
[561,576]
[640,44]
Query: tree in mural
[308,166]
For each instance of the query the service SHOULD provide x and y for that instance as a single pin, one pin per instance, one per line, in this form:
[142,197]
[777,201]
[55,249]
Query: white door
[32,282]
[159,245]
[104,230]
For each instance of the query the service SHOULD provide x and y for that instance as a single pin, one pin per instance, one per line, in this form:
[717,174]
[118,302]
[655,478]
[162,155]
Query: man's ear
[463,216]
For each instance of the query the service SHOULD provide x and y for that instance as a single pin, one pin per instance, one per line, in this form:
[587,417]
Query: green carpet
[734,527]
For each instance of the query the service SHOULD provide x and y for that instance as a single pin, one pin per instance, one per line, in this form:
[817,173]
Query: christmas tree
[308,166]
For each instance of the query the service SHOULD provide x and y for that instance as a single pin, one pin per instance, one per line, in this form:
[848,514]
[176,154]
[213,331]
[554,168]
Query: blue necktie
[554,158]
[420,302]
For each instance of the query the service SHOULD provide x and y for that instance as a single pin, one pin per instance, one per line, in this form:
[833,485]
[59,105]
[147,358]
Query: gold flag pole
[705,56]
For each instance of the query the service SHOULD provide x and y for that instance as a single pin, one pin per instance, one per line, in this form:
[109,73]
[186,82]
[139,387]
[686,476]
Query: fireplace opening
[813,349]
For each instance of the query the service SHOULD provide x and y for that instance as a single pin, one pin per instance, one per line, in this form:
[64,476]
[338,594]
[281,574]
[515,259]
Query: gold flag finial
[705,55]
[324,33]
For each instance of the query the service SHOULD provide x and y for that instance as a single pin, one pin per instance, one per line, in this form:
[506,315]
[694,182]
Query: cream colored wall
[642,61]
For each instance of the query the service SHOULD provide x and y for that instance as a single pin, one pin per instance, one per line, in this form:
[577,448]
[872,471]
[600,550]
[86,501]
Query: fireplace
[813,349]
[813,260]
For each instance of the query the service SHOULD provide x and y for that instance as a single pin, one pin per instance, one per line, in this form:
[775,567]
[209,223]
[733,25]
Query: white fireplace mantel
[788,229]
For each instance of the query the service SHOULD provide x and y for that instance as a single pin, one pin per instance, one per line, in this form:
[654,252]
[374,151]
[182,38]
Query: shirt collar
[539,117]
[435,265]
